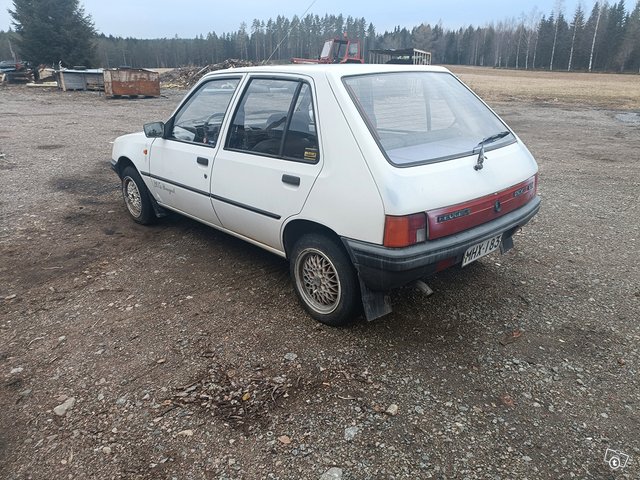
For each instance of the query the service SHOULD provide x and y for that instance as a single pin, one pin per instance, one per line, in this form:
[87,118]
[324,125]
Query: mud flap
[375,304]
[506,244]
[157,209]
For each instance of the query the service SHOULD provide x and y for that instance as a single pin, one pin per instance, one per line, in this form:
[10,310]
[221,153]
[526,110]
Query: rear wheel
[136,197]
[325,280]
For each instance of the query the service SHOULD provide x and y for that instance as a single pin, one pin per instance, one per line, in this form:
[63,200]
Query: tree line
[606,38]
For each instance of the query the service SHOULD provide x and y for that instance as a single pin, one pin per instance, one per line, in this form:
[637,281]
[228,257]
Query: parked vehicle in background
[365,177]
[16,71]
[336,50]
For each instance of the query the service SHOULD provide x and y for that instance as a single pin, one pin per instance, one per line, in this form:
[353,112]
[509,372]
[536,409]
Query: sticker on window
[310,154]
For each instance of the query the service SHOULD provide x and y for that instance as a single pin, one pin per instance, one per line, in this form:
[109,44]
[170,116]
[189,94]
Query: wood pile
[187,77]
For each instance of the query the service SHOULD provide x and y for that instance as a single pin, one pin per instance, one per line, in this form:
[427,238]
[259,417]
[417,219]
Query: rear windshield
[423,117]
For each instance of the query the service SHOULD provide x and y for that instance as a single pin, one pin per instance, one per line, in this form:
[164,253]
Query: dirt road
[179,352]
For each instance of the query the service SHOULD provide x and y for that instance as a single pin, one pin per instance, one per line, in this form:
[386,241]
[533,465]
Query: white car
[365,177]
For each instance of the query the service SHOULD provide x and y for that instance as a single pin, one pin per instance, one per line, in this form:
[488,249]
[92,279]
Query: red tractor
[336,50]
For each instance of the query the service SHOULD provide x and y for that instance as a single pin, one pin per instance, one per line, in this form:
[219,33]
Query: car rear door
[270,159]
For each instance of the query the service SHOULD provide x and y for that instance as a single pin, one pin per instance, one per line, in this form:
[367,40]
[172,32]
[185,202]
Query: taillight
[404,231]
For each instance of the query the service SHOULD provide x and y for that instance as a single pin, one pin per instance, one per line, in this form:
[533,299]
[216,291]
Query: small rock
[62,409]
[419,410]
[392,410]
[16,370]
[290,357]
[186,433]
[334,473]
[10,297]
[350,433]
[106,450]
[161,360]
[604,415]
[527,458]
[284,439]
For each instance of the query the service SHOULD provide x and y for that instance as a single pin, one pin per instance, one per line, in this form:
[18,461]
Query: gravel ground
[176,351]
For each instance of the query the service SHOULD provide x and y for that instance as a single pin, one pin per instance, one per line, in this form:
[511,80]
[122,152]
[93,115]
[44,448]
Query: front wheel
[325,280]
[136,197]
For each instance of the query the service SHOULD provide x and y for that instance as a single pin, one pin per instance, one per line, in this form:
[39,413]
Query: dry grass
[600,90]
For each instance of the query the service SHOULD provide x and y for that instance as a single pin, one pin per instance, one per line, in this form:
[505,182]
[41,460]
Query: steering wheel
[210,118]
[208,121]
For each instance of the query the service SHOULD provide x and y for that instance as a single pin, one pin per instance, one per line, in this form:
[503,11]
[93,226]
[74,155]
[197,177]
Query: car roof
[333,70]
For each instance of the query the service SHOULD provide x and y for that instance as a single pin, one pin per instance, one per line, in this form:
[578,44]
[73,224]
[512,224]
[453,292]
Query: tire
[136,197]
[324,279]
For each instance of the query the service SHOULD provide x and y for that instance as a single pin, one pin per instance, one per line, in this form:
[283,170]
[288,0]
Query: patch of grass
[600,90]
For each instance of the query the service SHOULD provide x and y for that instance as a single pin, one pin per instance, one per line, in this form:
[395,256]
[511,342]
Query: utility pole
[13,54]
[575,27]
[555,36]
[595,31]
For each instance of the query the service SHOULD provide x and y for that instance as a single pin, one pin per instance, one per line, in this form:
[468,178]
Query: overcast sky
[188,18]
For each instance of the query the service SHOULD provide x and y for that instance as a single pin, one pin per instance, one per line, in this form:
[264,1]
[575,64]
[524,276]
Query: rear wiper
[489,139]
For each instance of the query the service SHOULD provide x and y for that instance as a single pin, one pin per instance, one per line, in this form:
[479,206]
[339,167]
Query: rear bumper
[382,268]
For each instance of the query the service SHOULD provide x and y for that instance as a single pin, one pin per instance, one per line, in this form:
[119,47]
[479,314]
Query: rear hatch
[448,155]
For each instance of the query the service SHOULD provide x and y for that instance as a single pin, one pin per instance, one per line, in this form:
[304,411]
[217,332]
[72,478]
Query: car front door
[180,164]
[270,159]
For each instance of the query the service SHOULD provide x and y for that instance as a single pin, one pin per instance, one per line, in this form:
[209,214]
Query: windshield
[423,117]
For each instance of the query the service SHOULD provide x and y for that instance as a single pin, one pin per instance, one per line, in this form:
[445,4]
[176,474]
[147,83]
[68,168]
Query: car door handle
[291,180]
[203,161]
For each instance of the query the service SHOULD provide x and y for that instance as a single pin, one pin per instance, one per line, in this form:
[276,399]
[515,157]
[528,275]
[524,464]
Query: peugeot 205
[364,177]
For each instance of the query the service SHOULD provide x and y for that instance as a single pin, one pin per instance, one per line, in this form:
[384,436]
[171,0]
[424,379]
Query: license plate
[481,249]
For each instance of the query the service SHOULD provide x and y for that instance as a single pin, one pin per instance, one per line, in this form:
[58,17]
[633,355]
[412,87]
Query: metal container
[89,79]
[132,82]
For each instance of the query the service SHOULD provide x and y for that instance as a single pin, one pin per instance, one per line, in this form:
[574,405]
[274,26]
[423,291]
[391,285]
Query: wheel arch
[122,163]
[299,227]
[120,166]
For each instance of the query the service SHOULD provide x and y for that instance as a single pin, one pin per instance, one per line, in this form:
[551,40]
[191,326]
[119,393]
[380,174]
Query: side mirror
[154,129]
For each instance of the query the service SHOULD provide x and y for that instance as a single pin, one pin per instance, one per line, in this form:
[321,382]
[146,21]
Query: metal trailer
[408,56]
[131,82]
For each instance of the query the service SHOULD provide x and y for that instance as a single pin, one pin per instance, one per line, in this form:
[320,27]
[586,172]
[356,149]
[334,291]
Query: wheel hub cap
[318,281]
[132,197]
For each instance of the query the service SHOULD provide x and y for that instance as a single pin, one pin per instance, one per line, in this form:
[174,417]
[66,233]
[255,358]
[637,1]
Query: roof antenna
[288,33]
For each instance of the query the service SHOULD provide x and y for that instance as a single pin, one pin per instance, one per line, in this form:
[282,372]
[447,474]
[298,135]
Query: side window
[200,119]
[276,118]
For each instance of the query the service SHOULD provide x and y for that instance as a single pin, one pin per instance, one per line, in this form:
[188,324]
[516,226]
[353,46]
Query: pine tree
[52,31]
[629,55]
